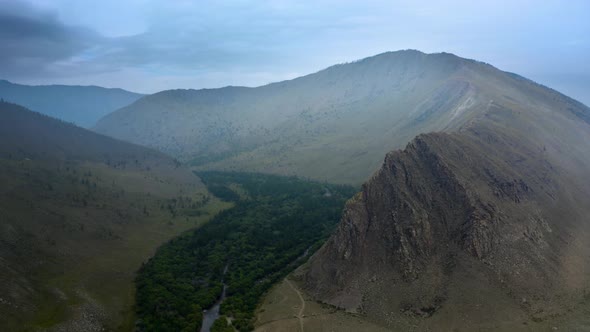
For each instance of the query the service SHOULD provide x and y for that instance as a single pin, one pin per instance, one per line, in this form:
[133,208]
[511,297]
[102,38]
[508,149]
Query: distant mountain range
[81,105]
[334,125]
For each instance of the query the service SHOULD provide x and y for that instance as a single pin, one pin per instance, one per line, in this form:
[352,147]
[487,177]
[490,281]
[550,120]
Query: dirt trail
[300,314]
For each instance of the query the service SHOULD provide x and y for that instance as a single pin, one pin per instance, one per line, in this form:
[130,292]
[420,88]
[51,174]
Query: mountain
[79,213]
[81,105]
[333,125]
[483,227]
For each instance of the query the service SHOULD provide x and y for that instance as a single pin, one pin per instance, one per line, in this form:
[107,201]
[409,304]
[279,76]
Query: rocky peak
[443,209]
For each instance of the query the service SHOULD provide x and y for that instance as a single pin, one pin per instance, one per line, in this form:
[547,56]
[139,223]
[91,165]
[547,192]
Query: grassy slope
[333,125]
[279,309]
[75,224]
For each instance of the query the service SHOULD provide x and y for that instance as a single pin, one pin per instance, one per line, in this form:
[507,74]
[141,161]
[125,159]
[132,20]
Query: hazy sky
[151,45]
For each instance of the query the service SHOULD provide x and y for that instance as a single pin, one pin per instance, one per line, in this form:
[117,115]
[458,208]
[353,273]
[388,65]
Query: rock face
[483,227]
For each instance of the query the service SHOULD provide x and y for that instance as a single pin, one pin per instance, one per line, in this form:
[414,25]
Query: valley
[275,224]
[79,213]
[478,195]
[404,191]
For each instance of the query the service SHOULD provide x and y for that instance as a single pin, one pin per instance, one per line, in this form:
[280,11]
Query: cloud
[211,36]
[179,38]
[32,40]
[156,44]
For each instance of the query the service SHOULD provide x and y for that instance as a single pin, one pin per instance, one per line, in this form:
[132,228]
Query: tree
[221,325]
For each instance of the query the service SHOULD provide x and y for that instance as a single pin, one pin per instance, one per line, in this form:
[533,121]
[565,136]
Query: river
[211,315]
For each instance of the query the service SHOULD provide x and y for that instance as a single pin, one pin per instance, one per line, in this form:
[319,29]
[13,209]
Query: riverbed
[210,315]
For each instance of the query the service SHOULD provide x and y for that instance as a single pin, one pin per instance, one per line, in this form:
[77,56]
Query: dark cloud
[37,43]
[33,40]
[149,45]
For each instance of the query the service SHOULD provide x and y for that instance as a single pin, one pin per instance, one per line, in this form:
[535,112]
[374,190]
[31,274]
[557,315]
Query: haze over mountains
[81,105]
[486,202]
[476,219]
[334,125]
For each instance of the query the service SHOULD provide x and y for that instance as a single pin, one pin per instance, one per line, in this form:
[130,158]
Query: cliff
[481,228]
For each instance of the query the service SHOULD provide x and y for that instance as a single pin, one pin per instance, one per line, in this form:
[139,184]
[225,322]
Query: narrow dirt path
[300,314]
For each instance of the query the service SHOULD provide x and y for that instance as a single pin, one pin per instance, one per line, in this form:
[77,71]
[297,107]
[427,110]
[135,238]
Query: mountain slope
[481,228]
[82,105]
[79,213]
[333,125]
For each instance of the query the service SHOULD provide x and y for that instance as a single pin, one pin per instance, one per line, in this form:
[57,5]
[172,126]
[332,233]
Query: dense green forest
[275,222]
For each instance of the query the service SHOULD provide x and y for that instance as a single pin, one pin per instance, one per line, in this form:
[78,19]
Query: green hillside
[79,213]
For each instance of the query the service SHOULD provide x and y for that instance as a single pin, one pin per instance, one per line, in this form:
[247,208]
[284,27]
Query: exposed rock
[482,212]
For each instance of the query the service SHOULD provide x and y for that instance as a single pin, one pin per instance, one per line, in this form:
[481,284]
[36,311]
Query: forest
[276,223]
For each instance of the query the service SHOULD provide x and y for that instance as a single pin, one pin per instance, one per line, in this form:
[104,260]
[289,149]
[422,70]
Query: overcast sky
[152,45]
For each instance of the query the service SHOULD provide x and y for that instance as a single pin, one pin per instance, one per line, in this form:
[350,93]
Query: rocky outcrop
[454,216]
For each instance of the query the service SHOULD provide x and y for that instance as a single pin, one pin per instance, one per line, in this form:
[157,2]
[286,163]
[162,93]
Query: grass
[278,313]
[279,309]
[76,246]
[79,214]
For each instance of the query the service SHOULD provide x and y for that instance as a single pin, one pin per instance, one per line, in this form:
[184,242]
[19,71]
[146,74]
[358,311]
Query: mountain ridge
[332,125]
[80,104]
